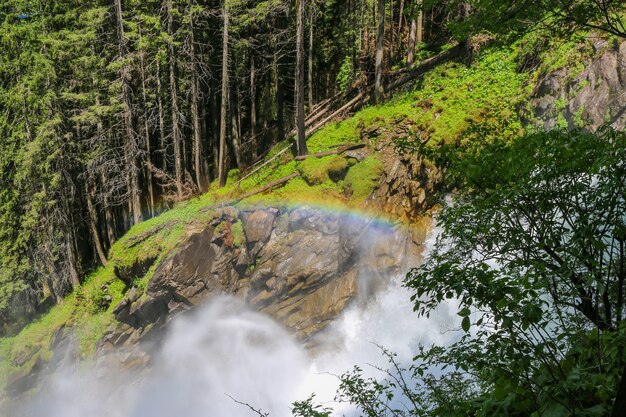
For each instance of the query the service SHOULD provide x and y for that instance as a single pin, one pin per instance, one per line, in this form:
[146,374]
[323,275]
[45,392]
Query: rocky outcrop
[301,266]
[409,184]
[592,98]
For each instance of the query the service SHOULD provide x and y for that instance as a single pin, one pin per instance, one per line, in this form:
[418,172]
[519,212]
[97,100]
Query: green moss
[280,168]
[334,134]
[232,176]
[21,352]
[363,178]
[452,102]
[298,191]
[236,229]
[579,122]
[316,171]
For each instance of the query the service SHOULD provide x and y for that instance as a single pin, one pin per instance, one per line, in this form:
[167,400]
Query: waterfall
[223,358]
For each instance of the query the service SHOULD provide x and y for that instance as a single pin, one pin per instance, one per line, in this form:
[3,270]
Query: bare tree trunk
[391,30]
[416,33]
[90,193]
[204,125]
[161,118]
[301,143]
[109,223]
[378,88]
[400,21]
[130,145]
[71,258]
[234,125]
[363,60]
[410,58]
[253,116]
[215,121]
[224,107]
[146,129]
[195,112]
[310,78]
[176,134]
[109,217]
[280,98]
[420,26]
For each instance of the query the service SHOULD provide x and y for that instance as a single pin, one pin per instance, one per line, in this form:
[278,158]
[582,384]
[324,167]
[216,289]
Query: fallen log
[268,187]
[335,114]
[425,66]
[135,240]
[318,106]
[263,189]
[315,155]
[263,165]
[341,149]
[331,103]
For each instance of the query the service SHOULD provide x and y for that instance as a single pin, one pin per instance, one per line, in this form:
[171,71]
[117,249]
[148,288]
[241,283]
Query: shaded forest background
[113,111]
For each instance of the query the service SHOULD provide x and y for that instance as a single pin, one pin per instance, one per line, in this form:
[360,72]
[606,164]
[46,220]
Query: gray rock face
[301,266]
[409,185]
[594,97]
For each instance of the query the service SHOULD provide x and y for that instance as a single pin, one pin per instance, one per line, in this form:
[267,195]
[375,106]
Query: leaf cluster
[533,249]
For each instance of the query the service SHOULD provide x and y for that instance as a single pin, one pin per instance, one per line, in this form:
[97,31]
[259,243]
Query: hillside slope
[494,98]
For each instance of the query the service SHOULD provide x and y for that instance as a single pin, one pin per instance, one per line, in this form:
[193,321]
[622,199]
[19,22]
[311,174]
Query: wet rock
[259,225]
[302,266]
[358,154]
[22,381]
[408,186]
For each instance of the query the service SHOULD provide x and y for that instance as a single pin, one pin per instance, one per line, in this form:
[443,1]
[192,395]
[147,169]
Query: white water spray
[223,356]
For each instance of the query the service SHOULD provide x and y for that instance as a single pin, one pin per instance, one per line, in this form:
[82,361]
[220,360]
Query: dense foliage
[111,113]
[533,248]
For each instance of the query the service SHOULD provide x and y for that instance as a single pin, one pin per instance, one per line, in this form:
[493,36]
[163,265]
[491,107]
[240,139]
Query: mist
[221,358]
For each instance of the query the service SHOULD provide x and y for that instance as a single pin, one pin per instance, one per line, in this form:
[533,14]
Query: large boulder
[302,266]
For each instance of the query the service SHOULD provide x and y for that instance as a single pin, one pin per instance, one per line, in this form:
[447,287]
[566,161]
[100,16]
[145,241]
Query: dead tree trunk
[416,32]
[224,107]
[90,193]
[161,118]
[195,112]
[400,21]
[176,134]
[378,88]
[301,141]
[410,58]
[146,129]
[234,126]
[420,25]
[109,216]
[253,115]
[130,145]
[310,78]
[71,258]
